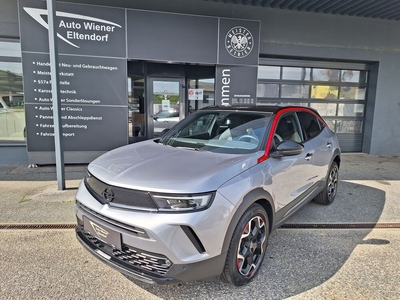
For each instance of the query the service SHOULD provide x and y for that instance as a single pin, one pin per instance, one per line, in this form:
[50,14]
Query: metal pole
[59,151]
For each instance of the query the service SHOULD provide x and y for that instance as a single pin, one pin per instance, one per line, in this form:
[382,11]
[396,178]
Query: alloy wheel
[251,247]
[332,182]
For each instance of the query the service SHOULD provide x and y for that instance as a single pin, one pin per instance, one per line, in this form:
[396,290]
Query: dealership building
[130,69]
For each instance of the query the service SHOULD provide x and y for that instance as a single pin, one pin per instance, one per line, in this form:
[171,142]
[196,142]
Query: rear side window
[311,125]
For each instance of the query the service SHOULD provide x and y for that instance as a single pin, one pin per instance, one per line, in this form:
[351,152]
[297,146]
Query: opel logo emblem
[108,194]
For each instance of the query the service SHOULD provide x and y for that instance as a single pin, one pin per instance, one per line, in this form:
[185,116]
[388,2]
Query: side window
[287,129]
[310,124]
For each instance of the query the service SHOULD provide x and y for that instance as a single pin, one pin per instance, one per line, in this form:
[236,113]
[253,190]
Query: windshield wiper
[188,148]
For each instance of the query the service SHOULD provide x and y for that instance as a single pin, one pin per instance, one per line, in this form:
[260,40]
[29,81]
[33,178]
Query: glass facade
[337,93]
[12,110]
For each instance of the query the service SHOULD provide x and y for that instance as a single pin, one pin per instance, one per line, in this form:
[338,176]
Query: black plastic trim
[131,229]
[193,238]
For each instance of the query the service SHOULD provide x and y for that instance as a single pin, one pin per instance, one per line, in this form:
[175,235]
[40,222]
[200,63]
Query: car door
[292,176]
[319,138]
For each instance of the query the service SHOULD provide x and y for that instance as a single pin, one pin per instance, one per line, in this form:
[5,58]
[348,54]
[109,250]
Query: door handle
[329,145]
[308,156]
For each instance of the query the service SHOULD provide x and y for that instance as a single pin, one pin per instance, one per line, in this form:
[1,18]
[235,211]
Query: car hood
[155,167]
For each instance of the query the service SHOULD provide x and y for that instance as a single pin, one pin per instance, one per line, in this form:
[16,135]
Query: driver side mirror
[287,148]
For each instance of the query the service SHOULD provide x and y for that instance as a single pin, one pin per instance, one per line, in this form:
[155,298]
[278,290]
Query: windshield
[220,131]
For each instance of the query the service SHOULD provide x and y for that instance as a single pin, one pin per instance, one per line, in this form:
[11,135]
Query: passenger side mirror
[287,148]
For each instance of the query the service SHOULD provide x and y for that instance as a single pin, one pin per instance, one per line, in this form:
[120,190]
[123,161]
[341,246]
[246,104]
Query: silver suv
[201,201]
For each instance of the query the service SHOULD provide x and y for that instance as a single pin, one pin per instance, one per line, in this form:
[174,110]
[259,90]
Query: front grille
[155,264]
[120,196]
[139,260]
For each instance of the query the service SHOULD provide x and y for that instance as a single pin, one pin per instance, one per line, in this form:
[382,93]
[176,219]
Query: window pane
[290,73]
[353,76]
[207,85]
[295,91]
[356,93]
[265,103]
[10,49]
[325,109]
[351,110]
[287,129]
[331,124]
[349,126]
[136,118]
[268,90]
[268,72]
[293,103]
[12,114]
[326,75]
[310,123]
[324,92]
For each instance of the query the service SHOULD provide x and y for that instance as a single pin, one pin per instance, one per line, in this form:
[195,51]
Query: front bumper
[148,267]
[156,248]
[121,266]
[208,269]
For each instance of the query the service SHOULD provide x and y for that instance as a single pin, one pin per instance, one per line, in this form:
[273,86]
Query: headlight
[176,203]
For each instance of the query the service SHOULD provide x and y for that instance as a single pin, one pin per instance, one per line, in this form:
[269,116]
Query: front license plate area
[103,233]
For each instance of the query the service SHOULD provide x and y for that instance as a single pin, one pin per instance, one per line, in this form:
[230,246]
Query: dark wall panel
[9,19]
[170,37]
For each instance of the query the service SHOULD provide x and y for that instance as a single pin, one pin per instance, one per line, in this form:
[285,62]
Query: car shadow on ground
[298,260]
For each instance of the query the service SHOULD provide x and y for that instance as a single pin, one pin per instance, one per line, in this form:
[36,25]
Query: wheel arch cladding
[337,160]
[258,196]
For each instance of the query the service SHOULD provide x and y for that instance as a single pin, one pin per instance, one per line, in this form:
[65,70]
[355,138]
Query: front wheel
[327,196]
[247,248]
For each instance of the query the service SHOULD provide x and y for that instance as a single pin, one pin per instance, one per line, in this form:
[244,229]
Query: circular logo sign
[239,42]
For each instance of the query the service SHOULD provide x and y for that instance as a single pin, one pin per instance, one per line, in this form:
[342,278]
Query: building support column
[53,50]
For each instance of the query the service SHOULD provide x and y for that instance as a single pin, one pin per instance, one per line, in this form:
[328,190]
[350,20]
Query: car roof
[265,108]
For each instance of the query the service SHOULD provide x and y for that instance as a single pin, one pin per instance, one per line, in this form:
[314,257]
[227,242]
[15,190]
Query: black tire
[328,194]
[247,248]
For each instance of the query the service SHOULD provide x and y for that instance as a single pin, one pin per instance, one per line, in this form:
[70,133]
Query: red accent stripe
[273,127]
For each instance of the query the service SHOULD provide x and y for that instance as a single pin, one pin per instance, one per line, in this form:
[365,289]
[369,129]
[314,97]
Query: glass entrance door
[167,105]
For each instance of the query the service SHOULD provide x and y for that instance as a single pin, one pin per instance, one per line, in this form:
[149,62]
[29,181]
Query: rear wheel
[247,248]
[327,196]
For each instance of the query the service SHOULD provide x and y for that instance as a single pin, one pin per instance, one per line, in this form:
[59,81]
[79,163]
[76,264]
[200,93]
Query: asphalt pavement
[300,263]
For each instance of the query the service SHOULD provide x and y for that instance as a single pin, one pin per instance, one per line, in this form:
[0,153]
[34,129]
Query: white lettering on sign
[225,90]
[70,25]
[73,35]
[81,22]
